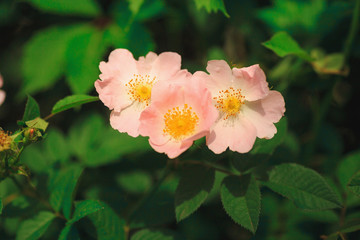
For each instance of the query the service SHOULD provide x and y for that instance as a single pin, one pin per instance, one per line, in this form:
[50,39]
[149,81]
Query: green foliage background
[85,180]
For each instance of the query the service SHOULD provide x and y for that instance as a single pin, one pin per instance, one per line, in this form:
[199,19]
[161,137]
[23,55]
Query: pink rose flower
[181,111]
[126,84]
[247,108]
[2,93]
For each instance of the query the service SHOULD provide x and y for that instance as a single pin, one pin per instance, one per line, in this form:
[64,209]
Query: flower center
[5,141]
[180,123]
[229,102]
[139,88]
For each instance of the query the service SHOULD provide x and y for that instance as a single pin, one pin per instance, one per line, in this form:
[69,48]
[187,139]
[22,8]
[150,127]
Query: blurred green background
[52,49]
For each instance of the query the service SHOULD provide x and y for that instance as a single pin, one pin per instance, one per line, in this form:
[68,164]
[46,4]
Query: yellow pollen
[180,122]
[139,88]
[229,102]
[5,141]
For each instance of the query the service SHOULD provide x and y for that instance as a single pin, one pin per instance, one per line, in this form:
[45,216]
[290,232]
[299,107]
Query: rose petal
[127,120]
[239,135]
[172,149]
[113,94]
[166,65]
[121,65]
[264,112]
[252,81]
[144,65]
[152,124]
[2,96]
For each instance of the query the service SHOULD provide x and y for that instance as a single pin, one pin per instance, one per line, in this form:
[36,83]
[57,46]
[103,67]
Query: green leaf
[354,184]
[35,159]
[91,131]
[158,210]
[134,182]
[240,197]
[38,123]
[304,186]
[71,102]
[293,16]
[330,64]
[212,5]
[62,191]
[69,233]
[351,226]
[84,208]
[348,167]
[155,234]
[32,109]
[56,146]
[139,40]
[108,224]
[1,206]
[34,228]
[195,184]
[150,9]
[43,61]
[88,8]
[84,53]
[283,44]
[135,5]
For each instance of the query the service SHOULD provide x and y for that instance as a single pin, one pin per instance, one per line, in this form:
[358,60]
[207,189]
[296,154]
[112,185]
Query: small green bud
[31,135]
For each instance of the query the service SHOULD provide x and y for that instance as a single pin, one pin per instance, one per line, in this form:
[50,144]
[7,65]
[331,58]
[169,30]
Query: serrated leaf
[155,234]
[354,184]
[348,167]
[43,61]
[108,224]
[195,184]
[304,186]
[32,109]
[240,197]
[68,7]
[84,208]
[212,5]
[83,55]
[62,191]
[34,228]
[69,232]
[38,123]
[283,44]
[71,102]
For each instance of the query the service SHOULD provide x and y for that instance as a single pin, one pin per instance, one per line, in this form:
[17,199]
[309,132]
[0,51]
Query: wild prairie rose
[247,108]
[126,84]
[181,111]
[2,93]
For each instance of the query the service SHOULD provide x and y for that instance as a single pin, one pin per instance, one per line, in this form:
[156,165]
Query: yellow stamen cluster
[229,102]
[139,88]
[5,141]
[180,122]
